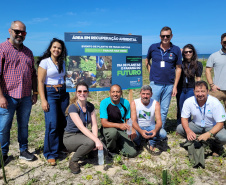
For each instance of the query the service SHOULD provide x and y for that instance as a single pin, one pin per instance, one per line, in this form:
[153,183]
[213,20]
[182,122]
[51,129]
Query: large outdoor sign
[103,59]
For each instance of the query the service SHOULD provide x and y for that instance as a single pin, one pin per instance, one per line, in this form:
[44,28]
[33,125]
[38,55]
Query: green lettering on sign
[99,50]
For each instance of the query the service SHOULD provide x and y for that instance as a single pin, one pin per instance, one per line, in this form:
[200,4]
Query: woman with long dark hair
[77,137]
[54,98]
[191,72]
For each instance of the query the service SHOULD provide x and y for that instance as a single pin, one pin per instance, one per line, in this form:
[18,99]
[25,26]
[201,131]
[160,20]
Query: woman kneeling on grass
[77,137]
[54,98]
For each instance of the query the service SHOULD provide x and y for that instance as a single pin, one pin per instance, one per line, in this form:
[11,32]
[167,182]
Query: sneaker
[26,155]
[5,160]
[74,167]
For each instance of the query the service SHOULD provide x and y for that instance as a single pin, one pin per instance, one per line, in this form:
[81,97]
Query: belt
[55,86]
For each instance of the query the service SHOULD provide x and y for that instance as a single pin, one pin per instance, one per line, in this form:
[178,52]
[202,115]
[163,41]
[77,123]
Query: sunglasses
[163,36]
[186,52]
[23,33]
[224,42]
[84,92]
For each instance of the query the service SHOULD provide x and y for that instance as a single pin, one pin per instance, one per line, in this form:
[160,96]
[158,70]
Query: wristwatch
[35,92]
[211,134]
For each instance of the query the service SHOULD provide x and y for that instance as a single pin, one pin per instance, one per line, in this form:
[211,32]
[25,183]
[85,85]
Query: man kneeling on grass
[144,111]
[114,114]
[208,118]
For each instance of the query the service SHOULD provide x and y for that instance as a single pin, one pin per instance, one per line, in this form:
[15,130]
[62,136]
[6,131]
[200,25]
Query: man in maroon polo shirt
[17,80]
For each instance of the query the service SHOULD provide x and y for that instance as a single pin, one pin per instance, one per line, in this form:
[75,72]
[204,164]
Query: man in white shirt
[208,118]
[144,112]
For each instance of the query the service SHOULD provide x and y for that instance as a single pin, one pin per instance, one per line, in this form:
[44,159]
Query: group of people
[169,76]
[72,78]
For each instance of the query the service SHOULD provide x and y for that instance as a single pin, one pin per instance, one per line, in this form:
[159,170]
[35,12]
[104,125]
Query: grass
[144,169]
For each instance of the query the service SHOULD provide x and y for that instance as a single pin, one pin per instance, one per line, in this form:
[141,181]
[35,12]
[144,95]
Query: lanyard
[163,54]
[203,115]
[59,81]
[54,64]
[85,114]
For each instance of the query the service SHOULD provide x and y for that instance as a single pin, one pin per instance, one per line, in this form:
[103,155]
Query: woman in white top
[54,98]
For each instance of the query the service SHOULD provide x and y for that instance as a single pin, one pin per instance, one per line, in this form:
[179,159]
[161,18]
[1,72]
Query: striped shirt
[16,70]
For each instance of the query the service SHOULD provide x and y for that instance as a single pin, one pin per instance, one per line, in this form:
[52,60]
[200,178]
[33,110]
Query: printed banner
[103,59]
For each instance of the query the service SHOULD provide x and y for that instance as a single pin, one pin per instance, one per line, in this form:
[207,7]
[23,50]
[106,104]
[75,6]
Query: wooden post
[130,96]
[131,90]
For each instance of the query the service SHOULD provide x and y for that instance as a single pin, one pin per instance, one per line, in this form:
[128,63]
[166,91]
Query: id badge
[60,81]
[186,79]
[162,64]
[202,123]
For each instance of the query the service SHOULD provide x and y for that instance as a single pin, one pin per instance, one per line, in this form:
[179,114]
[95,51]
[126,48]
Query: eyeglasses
[23,33]
[224,42]
[84,92]
[163,36]
[186,52]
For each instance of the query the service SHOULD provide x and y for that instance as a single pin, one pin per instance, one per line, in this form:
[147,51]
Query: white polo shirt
[214,111]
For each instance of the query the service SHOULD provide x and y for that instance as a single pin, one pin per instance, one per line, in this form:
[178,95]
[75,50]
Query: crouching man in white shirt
[208,118]
[144,112]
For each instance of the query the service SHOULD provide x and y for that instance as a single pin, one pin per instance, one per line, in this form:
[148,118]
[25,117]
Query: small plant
[88,166]
[89,177]
[124,167]
[118,159]
[105,180]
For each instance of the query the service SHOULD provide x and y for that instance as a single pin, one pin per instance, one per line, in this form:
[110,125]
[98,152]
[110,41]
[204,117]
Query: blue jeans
[55,121]
[23,109]
[162,94]
[182,95]
[161,134]
[220,137]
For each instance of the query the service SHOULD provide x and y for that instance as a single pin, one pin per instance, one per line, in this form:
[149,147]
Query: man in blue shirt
[166,59]
[114,114]
[69,80]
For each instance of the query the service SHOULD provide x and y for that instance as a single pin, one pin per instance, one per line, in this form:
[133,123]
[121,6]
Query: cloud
[71,13]
[79,24]
[101,10]
[38,20]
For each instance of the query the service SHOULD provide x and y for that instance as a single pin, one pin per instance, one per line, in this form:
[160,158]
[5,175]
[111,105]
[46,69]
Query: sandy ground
[144,169]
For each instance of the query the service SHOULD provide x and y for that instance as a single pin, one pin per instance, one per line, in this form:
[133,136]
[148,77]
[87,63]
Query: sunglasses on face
[84,92]
[23,33]
[224,42]
[163,36]
[186,52]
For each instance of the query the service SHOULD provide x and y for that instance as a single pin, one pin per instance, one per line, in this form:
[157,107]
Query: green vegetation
[144,169]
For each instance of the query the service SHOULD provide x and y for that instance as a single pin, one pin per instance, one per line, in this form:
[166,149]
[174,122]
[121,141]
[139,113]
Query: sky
[198,22]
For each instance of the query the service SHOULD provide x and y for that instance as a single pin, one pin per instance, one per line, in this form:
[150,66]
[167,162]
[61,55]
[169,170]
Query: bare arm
[190,134]
[158,125]
[209,79]
[214,131]
[177,78]
[106,124]
[94,123]
[158,119]
[3,101]
[78,122]
[148,65]
[41,79]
